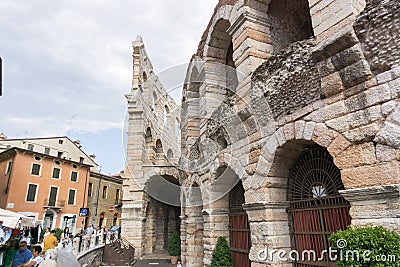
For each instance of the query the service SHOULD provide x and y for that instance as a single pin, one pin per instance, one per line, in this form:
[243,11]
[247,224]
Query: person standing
[50,242]
[22,256]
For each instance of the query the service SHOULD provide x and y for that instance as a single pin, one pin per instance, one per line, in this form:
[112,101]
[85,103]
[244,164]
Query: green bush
[174,246]
[375,247]
[221,255]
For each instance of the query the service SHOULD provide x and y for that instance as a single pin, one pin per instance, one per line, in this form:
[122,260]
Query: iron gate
[239,228]
[316,208]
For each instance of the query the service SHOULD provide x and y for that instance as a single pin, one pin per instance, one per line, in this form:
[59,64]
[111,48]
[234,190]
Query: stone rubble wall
[378,29]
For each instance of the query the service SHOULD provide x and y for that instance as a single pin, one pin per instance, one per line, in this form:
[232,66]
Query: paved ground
[155,263]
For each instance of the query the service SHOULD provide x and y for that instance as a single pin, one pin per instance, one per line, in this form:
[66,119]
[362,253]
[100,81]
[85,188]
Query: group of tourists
[42,254]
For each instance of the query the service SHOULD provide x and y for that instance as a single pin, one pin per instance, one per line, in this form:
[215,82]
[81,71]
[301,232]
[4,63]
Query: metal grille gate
[316,208]
[239,228]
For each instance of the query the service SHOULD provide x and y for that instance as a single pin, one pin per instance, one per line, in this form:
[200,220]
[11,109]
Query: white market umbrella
[10,219]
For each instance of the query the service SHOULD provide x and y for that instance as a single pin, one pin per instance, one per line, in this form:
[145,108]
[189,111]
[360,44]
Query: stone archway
[292,218]
[162,214]
[316,208]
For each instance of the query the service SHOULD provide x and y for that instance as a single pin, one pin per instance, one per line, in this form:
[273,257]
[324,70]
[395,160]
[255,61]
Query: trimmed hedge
[371,247]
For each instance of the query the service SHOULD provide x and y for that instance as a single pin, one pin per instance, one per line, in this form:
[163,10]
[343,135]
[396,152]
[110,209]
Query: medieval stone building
[289,132]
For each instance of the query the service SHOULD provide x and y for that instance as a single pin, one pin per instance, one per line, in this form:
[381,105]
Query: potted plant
[221,256]
[174,247]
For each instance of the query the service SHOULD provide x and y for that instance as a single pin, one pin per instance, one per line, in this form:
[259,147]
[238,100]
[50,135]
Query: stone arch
[162,211]
[318,133]
[220,18]
[290,21]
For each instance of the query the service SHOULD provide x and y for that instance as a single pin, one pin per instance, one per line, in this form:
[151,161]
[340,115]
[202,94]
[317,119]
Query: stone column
[377,205]
[251,38]
[194,237]
[269,231]
[216,221]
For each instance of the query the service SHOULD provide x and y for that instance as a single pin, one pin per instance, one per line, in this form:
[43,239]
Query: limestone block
[355,73]
[339,144]
[389,107]
[331,84]
[389,135]
[340,124]
[371,175]
[322,135]
[356,155]
[335,110]
[386,153]
[347,57]
[360,87]
[363,133]
[299,129]
[309,130]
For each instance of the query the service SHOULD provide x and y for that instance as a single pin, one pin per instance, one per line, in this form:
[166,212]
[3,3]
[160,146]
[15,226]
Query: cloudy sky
[67,64]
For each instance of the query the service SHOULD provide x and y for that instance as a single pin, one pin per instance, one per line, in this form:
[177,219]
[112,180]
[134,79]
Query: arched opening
[115,218]
[166,115]
[316,208]
[49,219]
[162,214]
[170,154]
[221,50]
[290,21]
[144,77]
[154,100]
[239,227]
[148,135]
[101,219]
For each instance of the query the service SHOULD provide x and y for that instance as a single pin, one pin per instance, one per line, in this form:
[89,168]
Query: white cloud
[66,58]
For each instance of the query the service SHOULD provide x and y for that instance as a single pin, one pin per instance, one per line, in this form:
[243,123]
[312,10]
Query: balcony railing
[51,203]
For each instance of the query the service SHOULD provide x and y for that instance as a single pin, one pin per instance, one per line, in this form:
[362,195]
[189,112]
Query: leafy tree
[366,247]
[221,255]
[174,246]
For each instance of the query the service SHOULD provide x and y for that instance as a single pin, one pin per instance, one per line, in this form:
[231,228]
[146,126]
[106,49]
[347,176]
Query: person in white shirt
[36,259]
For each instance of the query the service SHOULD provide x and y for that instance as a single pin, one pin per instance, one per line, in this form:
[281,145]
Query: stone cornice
[247,16]
[372,193]
[265,205]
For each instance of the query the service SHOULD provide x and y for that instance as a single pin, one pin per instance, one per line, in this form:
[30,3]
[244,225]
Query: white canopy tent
[11,219]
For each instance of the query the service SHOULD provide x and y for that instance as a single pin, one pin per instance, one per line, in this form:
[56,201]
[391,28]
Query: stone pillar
[251,38]
[377,205]
[194,237]
[269,230]
[183,218]
[132,224]
[216,221]
[150,235]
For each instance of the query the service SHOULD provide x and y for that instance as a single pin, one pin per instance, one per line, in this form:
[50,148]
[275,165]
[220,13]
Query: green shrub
[221,255]
[174,246]
[371,244]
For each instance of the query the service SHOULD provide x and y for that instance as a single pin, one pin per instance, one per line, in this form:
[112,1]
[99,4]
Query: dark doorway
[239,227]
[316,208]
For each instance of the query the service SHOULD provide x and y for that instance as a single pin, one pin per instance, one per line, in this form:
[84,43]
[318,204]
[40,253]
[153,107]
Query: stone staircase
[118,252]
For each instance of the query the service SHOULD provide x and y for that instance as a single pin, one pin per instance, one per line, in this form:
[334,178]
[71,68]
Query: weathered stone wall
[378,29]
[289,80]
[92,258]
[328,91]
[151,140]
